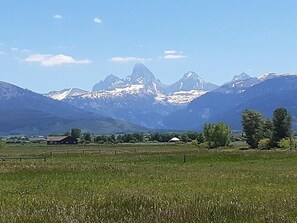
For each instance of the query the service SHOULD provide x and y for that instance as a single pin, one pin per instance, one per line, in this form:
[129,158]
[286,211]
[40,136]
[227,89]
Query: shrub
[203,145]
[285,143]
[264,144]
[2,144]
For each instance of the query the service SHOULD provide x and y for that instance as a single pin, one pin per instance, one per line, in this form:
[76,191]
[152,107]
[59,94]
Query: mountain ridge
[219,106]
[25,112]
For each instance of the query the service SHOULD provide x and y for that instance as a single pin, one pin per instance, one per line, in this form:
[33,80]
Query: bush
[285,143]
[203,145]
[264,144]
[2,144]
[195,142]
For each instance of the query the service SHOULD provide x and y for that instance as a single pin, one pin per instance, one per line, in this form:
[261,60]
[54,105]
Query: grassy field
[148,183]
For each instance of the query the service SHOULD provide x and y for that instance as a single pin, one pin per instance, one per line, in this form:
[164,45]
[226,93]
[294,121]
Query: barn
[61,140]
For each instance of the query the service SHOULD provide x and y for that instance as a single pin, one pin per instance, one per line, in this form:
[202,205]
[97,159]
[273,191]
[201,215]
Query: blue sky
[54,44]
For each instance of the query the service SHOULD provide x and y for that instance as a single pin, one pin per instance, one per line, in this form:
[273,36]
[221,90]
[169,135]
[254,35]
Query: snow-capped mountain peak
[191,81]
[267,76]
[66,93]
[240,83]
[193,76]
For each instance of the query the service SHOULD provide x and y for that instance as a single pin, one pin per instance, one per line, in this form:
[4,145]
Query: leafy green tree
[253,124]
[192,135]
[87,137]
[200,138]
[75,132]
[184,137]
[208,130]
[282,126]
[266,129]
[217,134]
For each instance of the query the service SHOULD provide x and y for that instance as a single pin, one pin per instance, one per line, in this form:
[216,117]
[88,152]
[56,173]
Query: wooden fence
[20,158]
[43,156]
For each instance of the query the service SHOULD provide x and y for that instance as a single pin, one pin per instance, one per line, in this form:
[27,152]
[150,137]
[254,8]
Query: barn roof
[56,138]
[174,139]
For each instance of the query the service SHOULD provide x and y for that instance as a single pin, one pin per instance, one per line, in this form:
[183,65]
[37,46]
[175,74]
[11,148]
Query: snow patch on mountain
[184,97]
[66,93]
[135,89]
[267,76]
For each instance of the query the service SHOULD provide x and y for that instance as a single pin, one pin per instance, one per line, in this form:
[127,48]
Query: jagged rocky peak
[192,75]
[191,81]
[241,77]
[141,74]
[111,77]
[108,83]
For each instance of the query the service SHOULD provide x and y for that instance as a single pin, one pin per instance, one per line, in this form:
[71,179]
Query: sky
[55,44]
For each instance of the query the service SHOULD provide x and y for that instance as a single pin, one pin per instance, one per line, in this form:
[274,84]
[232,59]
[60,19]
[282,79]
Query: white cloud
[97,20]
[14,49]
[170,52]
[58,16]
[173,55]
[48,60]
[128,59]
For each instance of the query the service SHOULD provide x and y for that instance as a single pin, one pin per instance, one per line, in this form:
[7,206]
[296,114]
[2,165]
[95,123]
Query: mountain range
[143,100]
[139,98]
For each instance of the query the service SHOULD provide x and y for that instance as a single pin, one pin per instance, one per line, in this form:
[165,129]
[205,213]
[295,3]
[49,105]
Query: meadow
[147,183]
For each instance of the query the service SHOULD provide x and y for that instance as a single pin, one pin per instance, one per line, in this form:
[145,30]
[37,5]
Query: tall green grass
[152,184]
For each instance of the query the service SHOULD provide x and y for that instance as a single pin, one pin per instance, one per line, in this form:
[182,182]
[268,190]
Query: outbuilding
[174,139]
[61,140]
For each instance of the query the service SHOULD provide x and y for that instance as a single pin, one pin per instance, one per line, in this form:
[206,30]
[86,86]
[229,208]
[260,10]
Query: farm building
[174,140]
[60,140]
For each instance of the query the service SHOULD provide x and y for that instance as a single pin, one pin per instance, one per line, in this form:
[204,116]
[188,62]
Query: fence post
[44,158]
[185,159]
